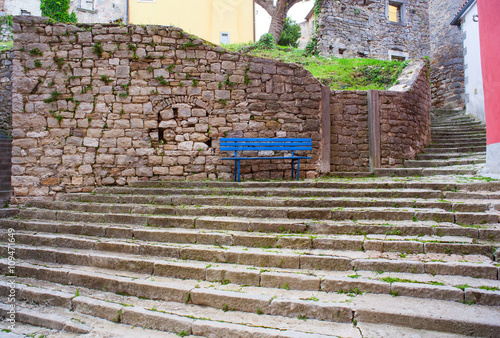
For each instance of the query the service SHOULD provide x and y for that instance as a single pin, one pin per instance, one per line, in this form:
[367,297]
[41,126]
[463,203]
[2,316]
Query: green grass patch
[6,45]
[400,280]
[339,74]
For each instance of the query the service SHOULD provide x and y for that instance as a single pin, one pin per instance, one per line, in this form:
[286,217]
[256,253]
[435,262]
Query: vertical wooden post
[374,128]
[324,108]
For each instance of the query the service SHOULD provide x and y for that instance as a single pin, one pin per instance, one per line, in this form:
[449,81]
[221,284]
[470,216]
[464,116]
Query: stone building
[447,61]
[398,29]
[87,11]
[375,29]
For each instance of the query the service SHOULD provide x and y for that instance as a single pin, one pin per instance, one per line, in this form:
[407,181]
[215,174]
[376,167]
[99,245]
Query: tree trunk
[277,24]
[278,14]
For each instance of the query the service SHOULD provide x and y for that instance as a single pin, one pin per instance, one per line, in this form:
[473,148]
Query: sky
[263,20]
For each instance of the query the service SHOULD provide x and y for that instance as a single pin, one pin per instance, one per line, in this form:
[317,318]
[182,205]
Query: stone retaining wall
[111,104]
[5,93]
[402,118]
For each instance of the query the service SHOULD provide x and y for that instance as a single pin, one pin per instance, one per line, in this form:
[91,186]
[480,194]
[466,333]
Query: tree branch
[267,5]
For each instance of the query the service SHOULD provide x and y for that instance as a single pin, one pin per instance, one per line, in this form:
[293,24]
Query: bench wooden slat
[249,148]
[226,139]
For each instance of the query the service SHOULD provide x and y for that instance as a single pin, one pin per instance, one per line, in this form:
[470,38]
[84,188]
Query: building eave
[458,18]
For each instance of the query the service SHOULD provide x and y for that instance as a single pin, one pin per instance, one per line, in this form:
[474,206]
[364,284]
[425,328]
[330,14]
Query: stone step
[152,193]
[445,183]
[442,163]
[436,156]
[460,141]
[315,187]
[441,287]
[439,126]
[458,133]
[67,201]
[129,212]
[54,319]
[369,242]
[280,271]
[455,150]
[203,303]
[83,201]
[435,171]
[67,311]
[275,227]
[458,144]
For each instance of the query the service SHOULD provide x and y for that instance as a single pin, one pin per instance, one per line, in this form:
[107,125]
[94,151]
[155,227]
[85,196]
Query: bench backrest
[256,144]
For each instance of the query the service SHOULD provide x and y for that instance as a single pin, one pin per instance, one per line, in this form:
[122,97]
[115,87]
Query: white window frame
[225,34]
[402,4]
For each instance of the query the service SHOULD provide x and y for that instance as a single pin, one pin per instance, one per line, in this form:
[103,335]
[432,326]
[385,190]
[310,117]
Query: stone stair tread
[151,215]
[363,307]
[306,201]
[317,244]
[276,226]
[314,231]
[142,259]
[211,322]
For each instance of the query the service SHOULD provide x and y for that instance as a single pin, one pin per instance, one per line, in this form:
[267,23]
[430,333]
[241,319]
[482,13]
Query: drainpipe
[126,11]
[253,3]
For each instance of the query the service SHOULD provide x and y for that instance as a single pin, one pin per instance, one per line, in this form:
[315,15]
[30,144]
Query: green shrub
[266,41]
[57,10]
[290,34]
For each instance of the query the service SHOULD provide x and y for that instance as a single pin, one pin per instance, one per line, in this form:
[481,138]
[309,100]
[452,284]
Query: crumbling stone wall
[447,60]
[5,93]
[111,104]
[404,120]
[349,28]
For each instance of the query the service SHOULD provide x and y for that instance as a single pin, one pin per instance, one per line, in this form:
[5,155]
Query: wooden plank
[374,129]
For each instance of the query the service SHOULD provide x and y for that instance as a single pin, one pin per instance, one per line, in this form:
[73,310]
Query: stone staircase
[458,143]
[458,148]
[5,170]
[361,257]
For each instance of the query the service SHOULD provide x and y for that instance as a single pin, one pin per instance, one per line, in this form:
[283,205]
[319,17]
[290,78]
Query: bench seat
[265,144]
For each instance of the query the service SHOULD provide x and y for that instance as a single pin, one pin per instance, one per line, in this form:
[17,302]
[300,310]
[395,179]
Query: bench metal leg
[238,165]
[298,168]
[293,168]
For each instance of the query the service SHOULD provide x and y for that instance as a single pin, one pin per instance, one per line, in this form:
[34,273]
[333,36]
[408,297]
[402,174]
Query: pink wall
[489,32]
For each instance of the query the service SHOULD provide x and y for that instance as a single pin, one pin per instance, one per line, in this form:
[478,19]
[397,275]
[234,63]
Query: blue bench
[258,144]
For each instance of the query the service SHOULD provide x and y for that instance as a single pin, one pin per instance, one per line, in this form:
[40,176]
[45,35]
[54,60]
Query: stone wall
[350,142]
[349,28]
[403,117]
[111,104]
[405,124]
[447,61]
[5,93]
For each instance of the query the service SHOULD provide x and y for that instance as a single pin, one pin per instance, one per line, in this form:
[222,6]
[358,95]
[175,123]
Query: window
[394,13]
[87,5]
[224,38]
[396,55]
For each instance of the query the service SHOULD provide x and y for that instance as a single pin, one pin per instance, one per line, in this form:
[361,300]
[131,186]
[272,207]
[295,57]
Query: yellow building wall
[203,18]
